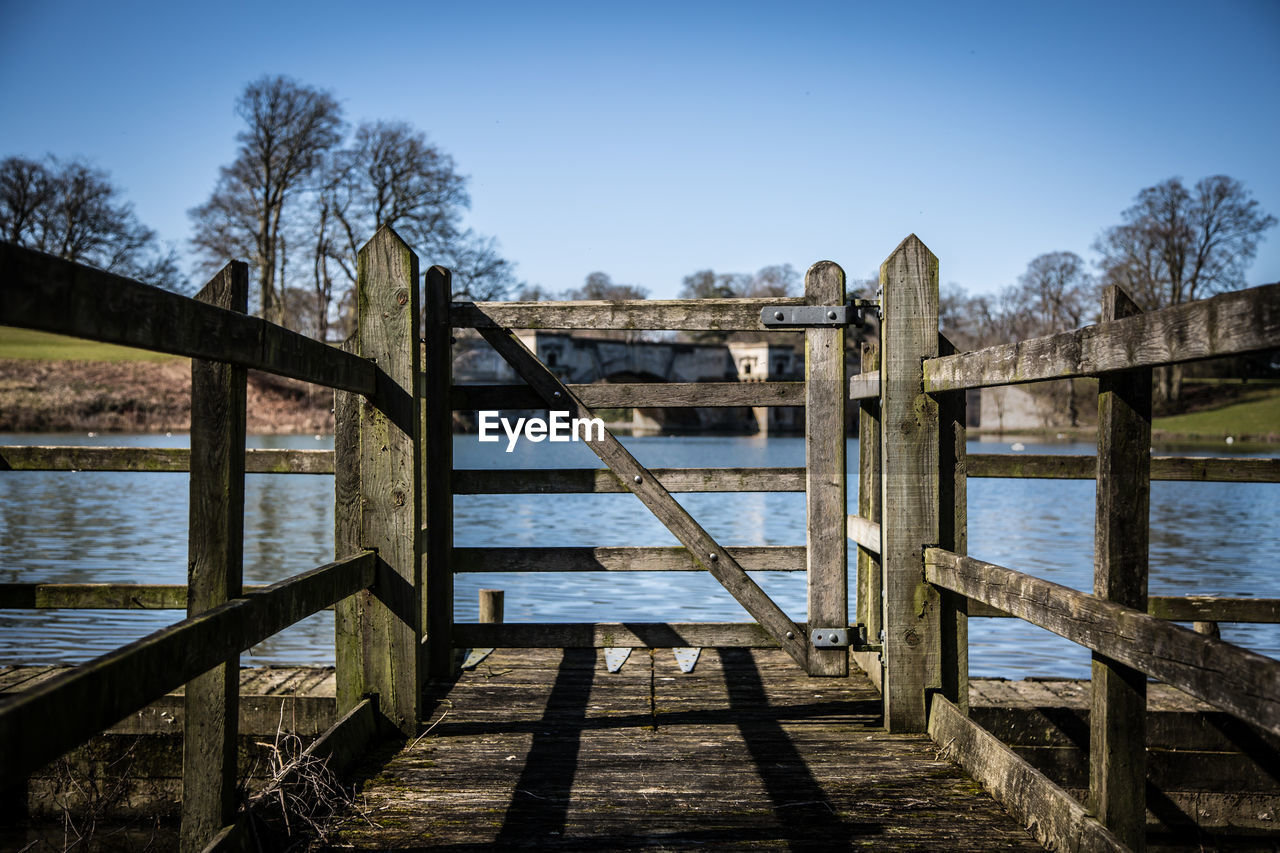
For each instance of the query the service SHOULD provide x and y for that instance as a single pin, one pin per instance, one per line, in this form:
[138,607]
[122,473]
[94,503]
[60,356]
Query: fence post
[909,503]
[437,484]
[826,515]
[953,514]
[389,461]
[215,566]
[1117,720]
[348,652]
[870,580]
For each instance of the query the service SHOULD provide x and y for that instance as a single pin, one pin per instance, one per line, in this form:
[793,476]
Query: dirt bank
[83,396]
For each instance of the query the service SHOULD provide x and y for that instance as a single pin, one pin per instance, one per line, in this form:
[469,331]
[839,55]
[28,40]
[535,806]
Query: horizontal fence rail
[618,395]
[1234,323]
[728,315]
[39,291]
[766,558]
[1242,682]
[1085,467]
[502,481]
[604,635]
[160,459]
[70,708]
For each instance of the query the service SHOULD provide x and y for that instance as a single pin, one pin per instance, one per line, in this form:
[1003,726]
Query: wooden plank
[674,517]
[215,575]
[1117,722]
[153,459]
[767,558]
[437,473]
[98,596]
[824,451]
[503,481]
[864,528]
[910,483]
[390,464]
[1242,682]
[727,315]
[42,723]
[953,534]
[607,395]
[1229,324]
[865,385]
[348,619]
[864,532]
[1184,609]
[1047,811]
[1084,467]
[39,291]
[602,635]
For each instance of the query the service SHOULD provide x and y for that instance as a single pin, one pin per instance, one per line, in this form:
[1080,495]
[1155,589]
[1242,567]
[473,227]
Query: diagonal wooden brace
[646,487]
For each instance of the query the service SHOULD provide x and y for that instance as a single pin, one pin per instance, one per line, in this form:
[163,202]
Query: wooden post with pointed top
[826,546]
[215,573]
[910,441]
[1117,719]
[437,458]
[388,457]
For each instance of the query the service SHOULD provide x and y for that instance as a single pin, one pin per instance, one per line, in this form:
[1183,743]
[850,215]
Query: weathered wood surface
[215,570]
[348,618]
[1229,324]
[1117,742]
[727,315]
[824,452]
[39,291]
[1073,466]
[754,558]
[149,459]
[910,482]
[865,385]
[864,528]
[547,750]
[436,477]
[390,471]
[1048,812]
[644,394]
[719,562]
[1226,676]
[1184,609]
[605,635]
[75,705]
[540,481]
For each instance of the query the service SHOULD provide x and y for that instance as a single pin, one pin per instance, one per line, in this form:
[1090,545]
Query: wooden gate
[820,646]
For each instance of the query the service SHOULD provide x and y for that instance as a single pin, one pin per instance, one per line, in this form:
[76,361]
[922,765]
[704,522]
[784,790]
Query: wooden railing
[910,531]
[377,461]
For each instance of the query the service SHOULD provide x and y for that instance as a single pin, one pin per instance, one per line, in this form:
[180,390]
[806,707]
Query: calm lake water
[1206,539]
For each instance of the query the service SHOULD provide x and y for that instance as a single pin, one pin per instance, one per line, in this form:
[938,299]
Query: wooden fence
[911,521]
[392,586]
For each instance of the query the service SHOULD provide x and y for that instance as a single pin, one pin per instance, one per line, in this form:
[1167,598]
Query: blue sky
[650,140]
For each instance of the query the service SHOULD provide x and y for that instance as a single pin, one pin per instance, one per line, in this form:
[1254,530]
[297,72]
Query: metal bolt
[637,478]
[791,635]
[713,557]
[835,638]
[778,315]
[831,315]
[556,395]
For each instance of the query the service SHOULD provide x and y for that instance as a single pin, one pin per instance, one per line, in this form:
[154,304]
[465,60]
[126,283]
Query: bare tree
[598,285]
[72,210]
[1056,290]
[1176,245]
[289,129]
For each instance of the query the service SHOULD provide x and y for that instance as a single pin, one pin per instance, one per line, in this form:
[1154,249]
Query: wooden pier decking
[543,748]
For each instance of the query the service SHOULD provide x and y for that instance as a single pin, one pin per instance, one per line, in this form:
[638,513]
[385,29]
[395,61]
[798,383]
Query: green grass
[44,346]
[1257,414]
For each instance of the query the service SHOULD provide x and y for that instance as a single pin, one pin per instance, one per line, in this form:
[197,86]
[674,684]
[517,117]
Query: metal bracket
[615,658]
[687,658]
[830,638]
[792,316]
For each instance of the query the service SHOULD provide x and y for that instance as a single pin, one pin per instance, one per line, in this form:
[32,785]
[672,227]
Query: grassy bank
[28,344]
[1254,413]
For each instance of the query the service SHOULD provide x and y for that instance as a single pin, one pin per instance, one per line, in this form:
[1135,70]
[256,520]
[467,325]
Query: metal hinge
[792,316]
[840,638]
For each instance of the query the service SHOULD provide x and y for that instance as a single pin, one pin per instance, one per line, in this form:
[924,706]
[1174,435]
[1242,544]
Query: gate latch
[830,638]
[792,316]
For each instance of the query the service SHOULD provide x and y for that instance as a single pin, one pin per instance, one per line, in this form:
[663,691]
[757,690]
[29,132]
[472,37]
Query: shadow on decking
[804,818]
